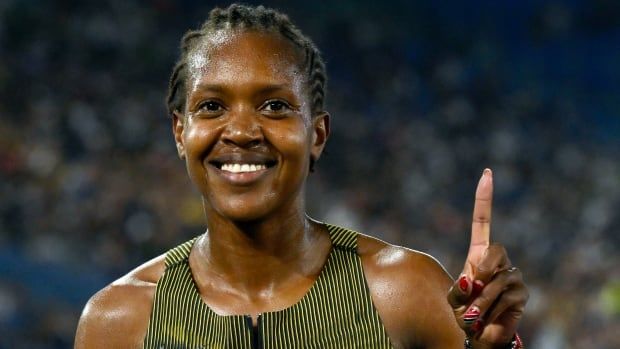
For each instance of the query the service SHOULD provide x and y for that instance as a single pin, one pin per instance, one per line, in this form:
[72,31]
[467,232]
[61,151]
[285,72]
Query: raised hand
[489,297]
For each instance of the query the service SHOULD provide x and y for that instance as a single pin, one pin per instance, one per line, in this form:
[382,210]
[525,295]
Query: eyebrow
[273,88]
[266,89]
[209,87]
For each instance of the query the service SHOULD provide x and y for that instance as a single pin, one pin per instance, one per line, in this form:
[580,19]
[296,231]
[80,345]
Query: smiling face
[247,133]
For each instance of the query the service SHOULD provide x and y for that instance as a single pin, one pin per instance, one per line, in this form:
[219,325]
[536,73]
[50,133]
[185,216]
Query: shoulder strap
[179,253]
[342,238]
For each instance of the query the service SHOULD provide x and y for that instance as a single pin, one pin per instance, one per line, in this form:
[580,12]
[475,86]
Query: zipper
[256,333]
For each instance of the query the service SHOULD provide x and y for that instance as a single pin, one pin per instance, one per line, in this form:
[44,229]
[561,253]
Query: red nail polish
[471,314]
[477,326]
[463,283]
[477,288]
[518,343]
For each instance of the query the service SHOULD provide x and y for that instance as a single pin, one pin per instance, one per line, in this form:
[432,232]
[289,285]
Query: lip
[242,158]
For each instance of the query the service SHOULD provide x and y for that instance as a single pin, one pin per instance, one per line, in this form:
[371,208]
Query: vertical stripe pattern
[336,312]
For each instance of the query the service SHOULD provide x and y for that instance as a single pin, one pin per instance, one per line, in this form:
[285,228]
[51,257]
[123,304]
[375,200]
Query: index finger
[481,220]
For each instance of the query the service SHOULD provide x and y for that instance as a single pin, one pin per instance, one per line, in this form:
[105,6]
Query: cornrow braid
[251,18]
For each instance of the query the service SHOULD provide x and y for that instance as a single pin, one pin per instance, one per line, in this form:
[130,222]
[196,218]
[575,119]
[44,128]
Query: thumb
[460,292]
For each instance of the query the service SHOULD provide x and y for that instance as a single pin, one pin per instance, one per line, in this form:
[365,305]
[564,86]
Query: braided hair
[249,18]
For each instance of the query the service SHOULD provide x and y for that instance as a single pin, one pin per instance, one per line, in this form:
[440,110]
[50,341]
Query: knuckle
[481,219]
[504,277]
[483,302]
[511,277]
[517,307]
[482,269]
[517,299]
[512,298]
[525,294]
[498,248]
[515,276]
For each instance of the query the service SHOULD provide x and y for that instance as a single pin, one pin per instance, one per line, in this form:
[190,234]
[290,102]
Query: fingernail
[472,314]
[486,172]
[477,288]
[477,326]
[463,283]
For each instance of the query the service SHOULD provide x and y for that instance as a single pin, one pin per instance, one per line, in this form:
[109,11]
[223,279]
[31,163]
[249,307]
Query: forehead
[245,56]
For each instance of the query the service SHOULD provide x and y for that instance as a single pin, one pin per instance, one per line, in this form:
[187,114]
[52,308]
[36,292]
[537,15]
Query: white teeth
[237,168]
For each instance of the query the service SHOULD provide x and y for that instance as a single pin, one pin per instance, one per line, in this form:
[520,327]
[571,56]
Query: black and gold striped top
[336,312]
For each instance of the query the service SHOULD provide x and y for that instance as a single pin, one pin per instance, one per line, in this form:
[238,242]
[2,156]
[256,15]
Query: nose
[242,129]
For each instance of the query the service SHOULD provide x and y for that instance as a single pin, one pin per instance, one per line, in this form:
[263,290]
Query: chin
[253,208]
[237,210]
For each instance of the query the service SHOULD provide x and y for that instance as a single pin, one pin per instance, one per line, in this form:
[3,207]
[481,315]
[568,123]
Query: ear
[178,126]
[320,133]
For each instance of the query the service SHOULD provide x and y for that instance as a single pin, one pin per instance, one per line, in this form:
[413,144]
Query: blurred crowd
[423,96]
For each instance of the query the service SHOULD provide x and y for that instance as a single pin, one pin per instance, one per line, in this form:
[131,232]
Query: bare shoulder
[409,290]
[392,258]
[117,316]
[394,271]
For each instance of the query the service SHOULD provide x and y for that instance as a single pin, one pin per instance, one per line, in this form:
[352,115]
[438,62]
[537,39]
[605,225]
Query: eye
[210,107]
[276,106]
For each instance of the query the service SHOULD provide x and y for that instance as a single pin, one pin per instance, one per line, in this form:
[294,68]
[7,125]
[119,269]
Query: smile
[242,168]
[242,173]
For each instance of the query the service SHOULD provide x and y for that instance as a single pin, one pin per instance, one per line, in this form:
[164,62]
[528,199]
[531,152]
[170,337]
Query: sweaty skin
[248,103]
[118,315]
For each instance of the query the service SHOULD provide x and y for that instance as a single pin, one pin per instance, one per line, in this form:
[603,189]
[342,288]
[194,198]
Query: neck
[254,258]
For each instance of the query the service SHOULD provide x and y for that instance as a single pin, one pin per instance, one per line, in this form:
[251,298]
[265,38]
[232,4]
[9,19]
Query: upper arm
[409,290]
[115,317]
[118,315]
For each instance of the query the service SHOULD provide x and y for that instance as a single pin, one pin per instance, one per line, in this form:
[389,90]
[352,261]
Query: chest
[336,312]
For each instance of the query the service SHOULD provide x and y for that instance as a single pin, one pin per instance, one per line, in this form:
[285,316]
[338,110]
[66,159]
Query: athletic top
[336,312]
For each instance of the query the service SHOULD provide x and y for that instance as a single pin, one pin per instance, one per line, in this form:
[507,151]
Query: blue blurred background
[423,96]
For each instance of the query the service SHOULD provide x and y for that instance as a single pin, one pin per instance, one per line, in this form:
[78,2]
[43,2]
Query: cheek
[292,139]
[198,139]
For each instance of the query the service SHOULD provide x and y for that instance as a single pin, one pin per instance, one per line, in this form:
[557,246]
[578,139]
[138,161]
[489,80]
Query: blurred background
[423,97]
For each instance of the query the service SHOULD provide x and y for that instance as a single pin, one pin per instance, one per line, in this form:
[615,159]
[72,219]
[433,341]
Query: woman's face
[247,133]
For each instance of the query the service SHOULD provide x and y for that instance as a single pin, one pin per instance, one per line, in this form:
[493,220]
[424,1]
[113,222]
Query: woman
[246,100]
